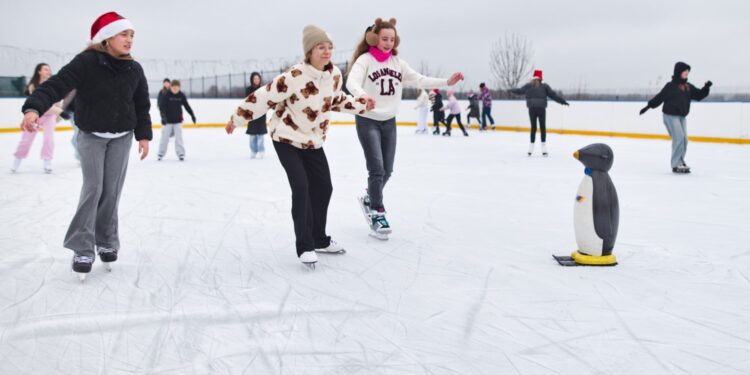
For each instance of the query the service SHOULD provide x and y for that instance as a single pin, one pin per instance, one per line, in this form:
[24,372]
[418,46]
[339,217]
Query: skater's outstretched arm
[554,96]
[701,94]
[657,100]
[412,78]
[520,91]
[259,102]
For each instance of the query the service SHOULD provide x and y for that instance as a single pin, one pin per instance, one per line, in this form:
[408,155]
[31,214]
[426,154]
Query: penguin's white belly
[583,219]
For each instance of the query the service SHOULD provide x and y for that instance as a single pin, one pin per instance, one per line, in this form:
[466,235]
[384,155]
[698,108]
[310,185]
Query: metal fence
[222,86]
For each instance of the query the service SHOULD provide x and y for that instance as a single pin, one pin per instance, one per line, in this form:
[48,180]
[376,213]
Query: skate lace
[380,219]
[83,259]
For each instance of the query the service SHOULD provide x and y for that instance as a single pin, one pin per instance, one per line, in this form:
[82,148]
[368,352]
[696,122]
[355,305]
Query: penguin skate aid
[596,213]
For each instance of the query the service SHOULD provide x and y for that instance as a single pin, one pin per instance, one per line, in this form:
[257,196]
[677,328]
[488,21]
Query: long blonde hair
[370,38]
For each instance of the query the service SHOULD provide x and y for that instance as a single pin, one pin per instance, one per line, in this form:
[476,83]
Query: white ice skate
[531,149]
[16,165]
[47,166]
[333,248]
[544,150]
[308,259]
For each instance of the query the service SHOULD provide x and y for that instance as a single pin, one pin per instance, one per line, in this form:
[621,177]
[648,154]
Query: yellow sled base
[590,260]
[580,259]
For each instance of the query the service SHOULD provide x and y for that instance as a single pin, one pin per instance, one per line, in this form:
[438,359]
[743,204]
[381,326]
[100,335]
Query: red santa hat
[538,74]
[108,25]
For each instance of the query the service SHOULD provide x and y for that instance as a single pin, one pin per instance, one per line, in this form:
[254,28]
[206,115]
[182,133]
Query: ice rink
[208,280]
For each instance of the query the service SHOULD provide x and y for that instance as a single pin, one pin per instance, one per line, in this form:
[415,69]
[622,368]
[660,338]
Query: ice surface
[208,280]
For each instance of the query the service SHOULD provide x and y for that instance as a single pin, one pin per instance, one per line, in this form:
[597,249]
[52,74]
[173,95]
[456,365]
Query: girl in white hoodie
[377,71]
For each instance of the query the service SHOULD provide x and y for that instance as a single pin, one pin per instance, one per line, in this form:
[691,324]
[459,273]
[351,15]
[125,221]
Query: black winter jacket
[676,96]
[171,107]
[536,97]
[112,94]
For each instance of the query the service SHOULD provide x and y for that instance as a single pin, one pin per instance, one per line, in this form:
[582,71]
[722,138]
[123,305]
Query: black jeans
[310,180]
[437,117]
[541,115]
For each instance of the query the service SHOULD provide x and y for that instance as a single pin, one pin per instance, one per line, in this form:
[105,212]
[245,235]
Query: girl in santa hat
[536,93]
[377,71]
[112,107]
[42,72]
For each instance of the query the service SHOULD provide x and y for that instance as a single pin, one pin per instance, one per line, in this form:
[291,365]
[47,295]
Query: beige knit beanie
[312,36]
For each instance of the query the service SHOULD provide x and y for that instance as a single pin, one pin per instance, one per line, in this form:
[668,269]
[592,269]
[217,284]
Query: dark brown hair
[34,79]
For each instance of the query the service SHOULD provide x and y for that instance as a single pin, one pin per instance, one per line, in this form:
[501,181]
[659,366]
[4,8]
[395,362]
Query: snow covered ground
[208,280]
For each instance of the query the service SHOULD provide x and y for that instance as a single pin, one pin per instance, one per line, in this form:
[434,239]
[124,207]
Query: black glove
[65,115]
[644,109]
[565,103]
[708,84]
[193,117]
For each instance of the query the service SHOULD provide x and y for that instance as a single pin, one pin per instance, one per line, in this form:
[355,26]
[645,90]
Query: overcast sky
[598,43]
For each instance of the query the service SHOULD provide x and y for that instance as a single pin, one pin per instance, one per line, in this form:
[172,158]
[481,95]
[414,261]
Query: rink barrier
[595,133]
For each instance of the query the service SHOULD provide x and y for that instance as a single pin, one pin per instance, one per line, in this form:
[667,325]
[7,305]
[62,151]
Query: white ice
[208,280]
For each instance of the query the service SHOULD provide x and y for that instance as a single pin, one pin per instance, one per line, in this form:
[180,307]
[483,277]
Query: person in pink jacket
[42,72]
[455,113]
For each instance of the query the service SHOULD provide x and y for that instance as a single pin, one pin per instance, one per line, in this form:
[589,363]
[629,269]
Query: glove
[193,117]
[65,115]
[565,103]
[644,109]
[708,84]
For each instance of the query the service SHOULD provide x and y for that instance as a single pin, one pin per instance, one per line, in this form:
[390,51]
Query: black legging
[541,114]
[437,117]
[458,119]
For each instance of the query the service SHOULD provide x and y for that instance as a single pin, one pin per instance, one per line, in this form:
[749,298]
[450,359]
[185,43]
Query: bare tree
[510,60]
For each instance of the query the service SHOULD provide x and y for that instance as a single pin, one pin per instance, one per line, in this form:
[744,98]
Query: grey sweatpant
[378,140]
[677,129]
[104,162]
[167,131]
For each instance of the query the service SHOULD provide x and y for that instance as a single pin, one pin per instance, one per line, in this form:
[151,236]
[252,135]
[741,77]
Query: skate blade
[309,266]
[321,251]
[568,261]
[380,236]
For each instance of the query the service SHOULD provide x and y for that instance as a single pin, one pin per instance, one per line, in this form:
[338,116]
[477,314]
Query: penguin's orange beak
[575,154]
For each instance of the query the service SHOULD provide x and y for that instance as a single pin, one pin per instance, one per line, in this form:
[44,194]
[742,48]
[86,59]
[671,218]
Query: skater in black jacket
[438,115]
[676,96]
[536,93]
[172,103]
[112,107]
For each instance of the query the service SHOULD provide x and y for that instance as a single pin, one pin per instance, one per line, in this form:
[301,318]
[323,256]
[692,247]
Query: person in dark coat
[676,97]
[473,109]
[438,115]
[256,129]
[536,93]
[112,108]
